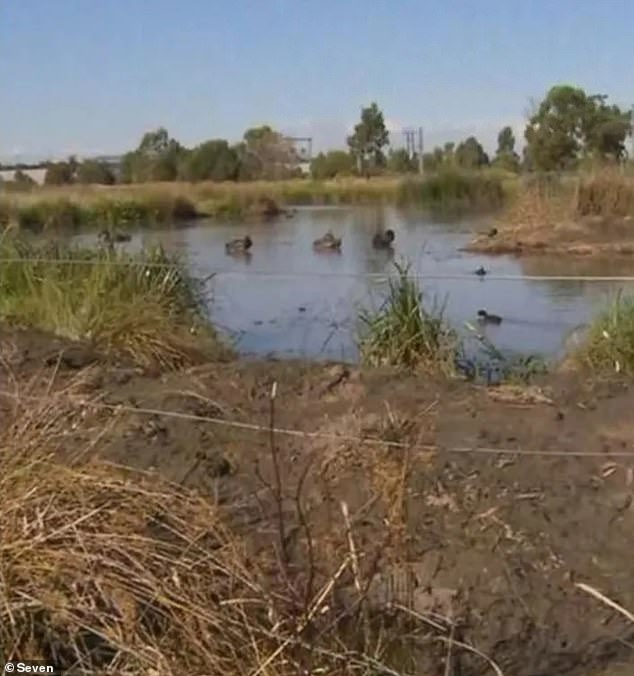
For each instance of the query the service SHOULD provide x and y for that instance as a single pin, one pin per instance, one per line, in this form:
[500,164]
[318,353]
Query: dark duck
[486,318]
[383,240]
[239,246]
[327,243]
[108,237]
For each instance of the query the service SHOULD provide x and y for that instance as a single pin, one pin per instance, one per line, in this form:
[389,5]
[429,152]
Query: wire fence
[339,438]
[275,274]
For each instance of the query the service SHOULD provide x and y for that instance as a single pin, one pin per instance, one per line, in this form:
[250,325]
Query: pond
[287,300]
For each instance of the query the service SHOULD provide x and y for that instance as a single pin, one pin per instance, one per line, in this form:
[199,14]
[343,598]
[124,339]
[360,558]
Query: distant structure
[303,146]
[113,161]
[37,173]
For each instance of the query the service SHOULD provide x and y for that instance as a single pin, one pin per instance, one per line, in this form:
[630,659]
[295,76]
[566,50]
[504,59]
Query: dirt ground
[474,501]
[588,237]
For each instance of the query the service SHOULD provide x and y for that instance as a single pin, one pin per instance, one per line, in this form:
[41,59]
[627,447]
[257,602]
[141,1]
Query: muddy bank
[493,541]
[595,237]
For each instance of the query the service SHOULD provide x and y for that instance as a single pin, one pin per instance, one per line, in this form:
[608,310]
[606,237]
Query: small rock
[123,377]
[74,357]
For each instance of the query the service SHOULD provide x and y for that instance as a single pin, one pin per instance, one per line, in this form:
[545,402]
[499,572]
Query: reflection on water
[287,299]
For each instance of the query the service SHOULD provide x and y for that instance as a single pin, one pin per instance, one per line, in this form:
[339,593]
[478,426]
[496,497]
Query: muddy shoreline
[478,494]
[587,237]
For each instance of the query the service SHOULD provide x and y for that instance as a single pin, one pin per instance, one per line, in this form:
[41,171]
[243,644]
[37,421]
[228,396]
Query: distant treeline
[567,129]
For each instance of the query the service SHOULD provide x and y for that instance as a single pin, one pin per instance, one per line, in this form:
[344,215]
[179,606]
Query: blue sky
[90,76]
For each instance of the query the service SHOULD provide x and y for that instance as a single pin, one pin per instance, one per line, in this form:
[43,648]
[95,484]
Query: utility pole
[632,134]
[414,146]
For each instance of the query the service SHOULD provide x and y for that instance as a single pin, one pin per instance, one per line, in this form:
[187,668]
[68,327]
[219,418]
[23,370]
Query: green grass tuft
[126,305]
[404,333]
[609,345]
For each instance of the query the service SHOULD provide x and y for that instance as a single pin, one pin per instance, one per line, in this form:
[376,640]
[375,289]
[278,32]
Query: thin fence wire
[349,438]
[308,274]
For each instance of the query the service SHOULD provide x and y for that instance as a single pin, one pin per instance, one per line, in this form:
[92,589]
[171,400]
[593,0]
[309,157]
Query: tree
[369,138]
[605,129]
[505,156]
[331,164]
[399,162]
[213,160]
[93,171]
[59,173]
[157,158]
[23,180]
[470,154]
[266,154]
[569,125]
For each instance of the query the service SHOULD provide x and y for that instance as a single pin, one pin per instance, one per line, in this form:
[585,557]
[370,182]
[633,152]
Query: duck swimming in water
[480,272]
[111,238]
[383,240]
[486,318]
[239,246]
[327,243]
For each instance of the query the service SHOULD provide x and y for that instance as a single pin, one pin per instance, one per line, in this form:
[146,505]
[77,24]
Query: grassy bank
[144,307]
[609,344]
[42,208]
[457,191]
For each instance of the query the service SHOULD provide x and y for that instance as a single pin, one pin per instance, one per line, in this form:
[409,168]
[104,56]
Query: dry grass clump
[105,570]
[607,194]
[539,203]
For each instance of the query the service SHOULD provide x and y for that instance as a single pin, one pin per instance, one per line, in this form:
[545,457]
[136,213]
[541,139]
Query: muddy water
[287,300]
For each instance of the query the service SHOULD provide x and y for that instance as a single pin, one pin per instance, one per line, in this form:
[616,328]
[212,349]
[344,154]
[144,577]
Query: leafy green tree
[470,154]
[569,125]
[399,162]
[93,171]
[505,156]
[331,164]
[212,160]
[554,134]
[506,141]
[369,138]
[606,128]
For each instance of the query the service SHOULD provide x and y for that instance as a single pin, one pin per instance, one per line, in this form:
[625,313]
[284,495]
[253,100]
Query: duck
[383,240]
[239,246]
[117,237]
[492,232]
[480,272]
[486,318]
[327,243]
